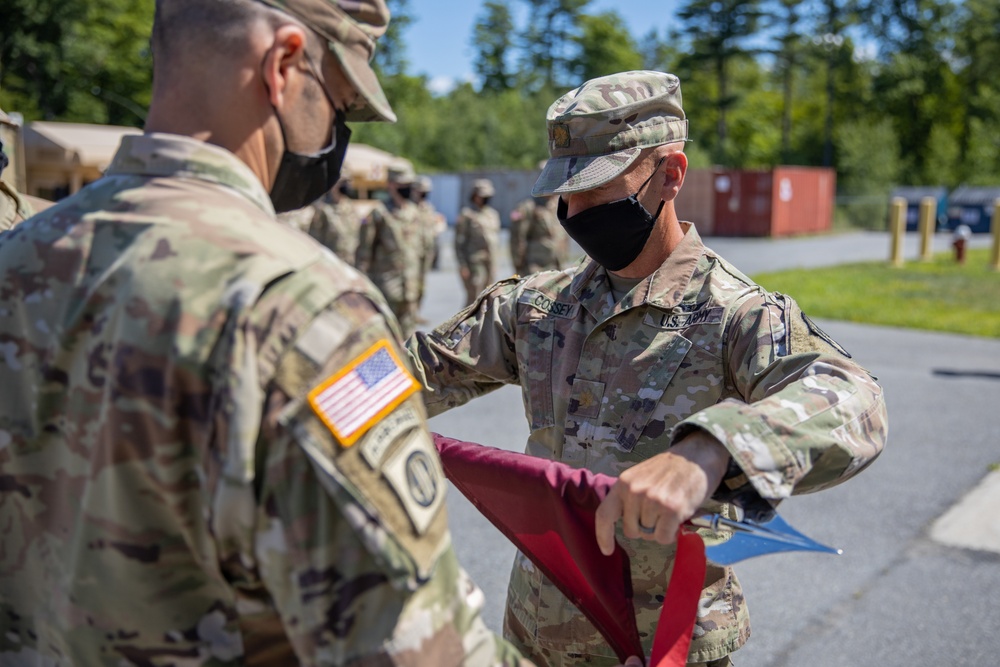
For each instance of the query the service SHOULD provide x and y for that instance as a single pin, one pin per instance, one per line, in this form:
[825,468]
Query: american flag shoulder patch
[357,396]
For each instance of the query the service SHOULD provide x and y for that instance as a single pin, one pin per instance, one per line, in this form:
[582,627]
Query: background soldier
[211,449]
[14,207]
[537,240]
[655,361]
[477,232]
[433,225]
[337,224]
[390,249]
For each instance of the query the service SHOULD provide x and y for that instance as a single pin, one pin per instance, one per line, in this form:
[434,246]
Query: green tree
[66,61]
[869,166]
[660,54]
[547,45]
[788,58]
[718,30]
[493,41]
[912,83]
[978,51]
[605,46]
[390,53]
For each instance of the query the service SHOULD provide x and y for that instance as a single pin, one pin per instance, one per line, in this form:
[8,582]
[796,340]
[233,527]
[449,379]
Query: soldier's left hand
[655,497]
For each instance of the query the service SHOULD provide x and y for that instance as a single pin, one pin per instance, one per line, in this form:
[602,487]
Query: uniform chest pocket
[640,384]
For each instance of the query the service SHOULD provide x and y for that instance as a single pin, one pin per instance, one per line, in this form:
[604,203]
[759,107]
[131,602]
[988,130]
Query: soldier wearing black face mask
[390,249]
[653,360]
[477,241]
[213,449]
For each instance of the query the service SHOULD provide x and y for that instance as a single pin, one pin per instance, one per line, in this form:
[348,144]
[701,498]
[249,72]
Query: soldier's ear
[283,61]
[673,169]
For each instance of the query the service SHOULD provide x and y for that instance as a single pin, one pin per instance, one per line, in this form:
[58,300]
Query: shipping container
[696,201]
[782,202]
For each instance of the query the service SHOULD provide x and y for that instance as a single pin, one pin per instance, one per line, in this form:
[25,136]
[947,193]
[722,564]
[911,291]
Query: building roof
[367,163]
[84,143]
[974,196]
[914,193]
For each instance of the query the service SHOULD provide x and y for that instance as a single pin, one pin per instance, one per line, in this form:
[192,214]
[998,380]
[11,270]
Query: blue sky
[438,43]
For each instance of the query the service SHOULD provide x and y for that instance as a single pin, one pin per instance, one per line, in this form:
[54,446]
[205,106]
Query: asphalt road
[895,598]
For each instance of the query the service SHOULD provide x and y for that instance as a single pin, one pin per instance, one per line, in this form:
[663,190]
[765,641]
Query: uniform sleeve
[471,354]
[351,539]
[810,417]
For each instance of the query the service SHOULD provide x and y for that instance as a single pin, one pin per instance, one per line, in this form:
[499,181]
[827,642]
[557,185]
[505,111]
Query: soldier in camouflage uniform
[432,224]
[14,208]
[337,224]
[390,249]
[211,449]
[537,240]
[477,232]
[656,361]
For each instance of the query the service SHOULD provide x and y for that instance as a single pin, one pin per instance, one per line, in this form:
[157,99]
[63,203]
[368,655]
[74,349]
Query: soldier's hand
[464,272]
[655,497]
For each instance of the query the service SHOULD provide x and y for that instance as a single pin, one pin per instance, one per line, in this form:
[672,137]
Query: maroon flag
[546,509]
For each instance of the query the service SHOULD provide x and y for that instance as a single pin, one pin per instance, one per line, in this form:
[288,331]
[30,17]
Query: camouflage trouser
[480,277]
[516,634]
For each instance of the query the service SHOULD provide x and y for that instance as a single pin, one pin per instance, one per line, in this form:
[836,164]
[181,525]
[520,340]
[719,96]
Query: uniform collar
[172,155]
[665,288]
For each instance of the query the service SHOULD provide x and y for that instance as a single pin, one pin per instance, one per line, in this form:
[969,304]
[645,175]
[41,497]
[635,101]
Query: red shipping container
[782,202]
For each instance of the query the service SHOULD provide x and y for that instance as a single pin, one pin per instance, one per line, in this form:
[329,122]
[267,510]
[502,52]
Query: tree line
[887,92]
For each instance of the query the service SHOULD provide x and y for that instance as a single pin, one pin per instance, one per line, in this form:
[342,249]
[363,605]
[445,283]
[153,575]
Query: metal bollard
[995,223]
[928,213]
[897,225]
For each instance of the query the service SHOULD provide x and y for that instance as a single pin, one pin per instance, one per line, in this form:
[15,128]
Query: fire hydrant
[960,238]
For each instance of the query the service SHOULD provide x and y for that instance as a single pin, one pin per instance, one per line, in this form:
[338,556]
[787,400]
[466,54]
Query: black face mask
[612,234]
[302,179]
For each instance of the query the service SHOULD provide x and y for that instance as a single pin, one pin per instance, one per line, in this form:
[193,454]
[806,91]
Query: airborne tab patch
[356,397]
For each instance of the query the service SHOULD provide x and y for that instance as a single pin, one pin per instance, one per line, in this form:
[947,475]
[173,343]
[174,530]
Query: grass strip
[940,295]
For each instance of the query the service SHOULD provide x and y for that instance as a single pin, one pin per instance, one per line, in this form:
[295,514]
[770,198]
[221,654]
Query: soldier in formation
[477,231]
[390,249]
[537,240]
[336,223]
[653,360]
[14,207]
[212,448]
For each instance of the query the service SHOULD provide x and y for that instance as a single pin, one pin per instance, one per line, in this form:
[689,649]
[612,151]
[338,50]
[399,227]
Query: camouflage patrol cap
[351,28]
[483,187]
[424,184]
[597,130]
[400,175]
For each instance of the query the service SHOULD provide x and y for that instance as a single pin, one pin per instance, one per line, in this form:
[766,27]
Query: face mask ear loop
[646,182]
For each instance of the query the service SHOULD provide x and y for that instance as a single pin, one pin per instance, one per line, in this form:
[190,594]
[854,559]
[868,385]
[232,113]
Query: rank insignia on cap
[356,397]
[560,135]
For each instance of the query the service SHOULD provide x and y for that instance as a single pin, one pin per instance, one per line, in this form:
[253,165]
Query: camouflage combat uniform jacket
[606,385]
[390,254]
[338,227]
[172,490]
[476,245]
[13,207]
[537,240]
